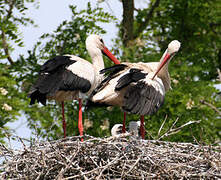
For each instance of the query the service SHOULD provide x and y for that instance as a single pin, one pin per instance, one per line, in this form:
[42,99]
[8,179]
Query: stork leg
[142,130]
[73,117]
[80,124]
[124,124]
[63,119]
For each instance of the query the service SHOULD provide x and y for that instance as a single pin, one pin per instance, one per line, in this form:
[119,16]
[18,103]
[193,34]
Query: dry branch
[111,158]
[3,35]
[211,106]
[219,75]
[173,130]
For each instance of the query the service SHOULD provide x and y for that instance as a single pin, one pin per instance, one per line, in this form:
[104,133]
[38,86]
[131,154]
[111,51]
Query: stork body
[138,88]
[124,84]
[70,77]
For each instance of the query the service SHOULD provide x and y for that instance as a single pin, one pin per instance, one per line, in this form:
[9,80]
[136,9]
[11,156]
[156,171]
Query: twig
[162,125]
[176,130]
[211,106]
[174,123]
[63,170]
[3,36]
[219,74]
[138,159]
[24,146]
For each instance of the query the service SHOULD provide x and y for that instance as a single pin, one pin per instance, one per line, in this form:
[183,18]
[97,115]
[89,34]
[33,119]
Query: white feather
[157,83]
[108,92]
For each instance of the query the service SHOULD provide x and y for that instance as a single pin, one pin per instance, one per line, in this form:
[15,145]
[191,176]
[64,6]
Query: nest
[111,158]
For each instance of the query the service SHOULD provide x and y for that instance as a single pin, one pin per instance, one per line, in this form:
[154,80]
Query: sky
[49,15]
[48,18]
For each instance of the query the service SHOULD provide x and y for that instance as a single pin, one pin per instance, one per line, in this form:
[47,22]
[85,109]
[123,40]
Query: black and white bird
[70,77]
[138,88]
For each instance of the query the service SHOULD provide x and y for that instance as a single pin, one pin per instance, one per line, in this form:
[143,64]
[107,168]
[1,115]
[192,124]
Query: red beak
[110,55]
[165,59]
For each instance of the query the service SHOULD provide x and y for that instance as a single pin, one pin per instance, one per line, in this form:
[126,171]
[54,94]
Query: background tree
[143,36]
[11,103]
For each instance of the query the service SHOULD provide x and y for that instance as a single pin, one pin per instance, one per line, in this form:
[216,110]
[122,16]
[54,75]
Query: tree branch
[211,106]
[219,74]
[147,18]
[5,47]
[172,131]
[3,36]
[11,6]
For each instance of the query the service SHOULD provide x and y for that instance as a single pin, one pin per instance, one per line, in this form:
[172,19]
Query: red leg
[63,119]
[142,130]
[73,116]
[124,123]
[80,124]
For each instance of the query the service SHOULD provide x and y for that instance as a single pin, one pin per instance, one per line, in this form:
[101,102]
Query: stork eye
[102,40]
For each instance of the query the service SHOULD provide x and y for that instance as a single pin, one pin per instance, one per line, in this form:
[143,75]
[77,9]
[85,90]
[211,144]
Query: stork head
[95,47]
[173,47]
[170,52]
[116,129]
[94,41]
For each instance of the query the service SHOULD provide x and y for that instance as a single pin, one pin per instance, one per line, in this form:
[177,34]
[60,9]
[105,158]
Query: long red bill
[165,59]
[110,55]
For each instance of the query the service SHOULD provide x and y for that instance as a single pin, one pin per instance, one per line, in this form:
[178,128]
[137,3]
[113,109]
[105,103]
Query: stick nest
[111,158]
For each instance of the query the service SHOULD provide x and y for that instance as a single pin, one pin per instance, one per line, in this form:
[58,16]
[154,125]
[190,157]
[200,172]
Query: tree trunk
[128,20]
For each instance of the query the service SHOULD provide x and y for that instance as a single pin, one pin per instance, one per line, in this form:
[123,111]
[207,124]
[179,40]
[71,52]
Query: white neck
[97,57]
[165,67]
[163,73]
[98,62]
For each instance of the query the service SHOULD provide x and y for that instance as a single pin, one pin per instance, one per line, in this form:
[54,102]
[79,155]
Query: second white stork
[70,77]
[138,88]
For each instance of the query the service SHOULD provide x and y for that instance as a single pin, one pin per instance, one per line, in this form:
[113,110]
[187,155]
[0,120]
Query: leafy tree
[11,103]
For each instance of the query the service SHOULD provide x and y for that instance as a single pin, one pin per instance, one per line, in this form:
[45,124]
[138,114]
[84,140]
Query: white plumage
[70,77]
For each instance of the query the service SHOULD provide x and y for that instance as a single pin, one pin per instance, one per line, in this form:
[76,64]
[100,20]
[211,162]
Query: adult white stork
[70,77]
[138,88]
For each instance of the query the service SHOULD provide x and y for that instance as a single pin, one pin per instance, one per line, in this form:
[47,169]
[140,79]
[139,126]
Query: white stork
[138,88]
[70,77]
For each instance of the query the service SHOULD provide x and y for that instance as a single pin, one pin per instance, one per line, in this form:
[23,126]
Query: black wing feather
[142,99]
[113,70]
[72,82]
[53,64]
[134,75]
[54,76]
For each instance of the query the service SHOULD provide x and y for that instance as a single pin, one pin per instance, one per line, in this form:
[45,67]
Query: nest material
[111,158]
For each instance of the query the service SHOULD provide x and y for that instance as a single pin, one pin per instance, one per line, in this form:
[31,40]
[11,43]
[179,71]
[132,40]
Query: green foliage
[10,98]
[9,23]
